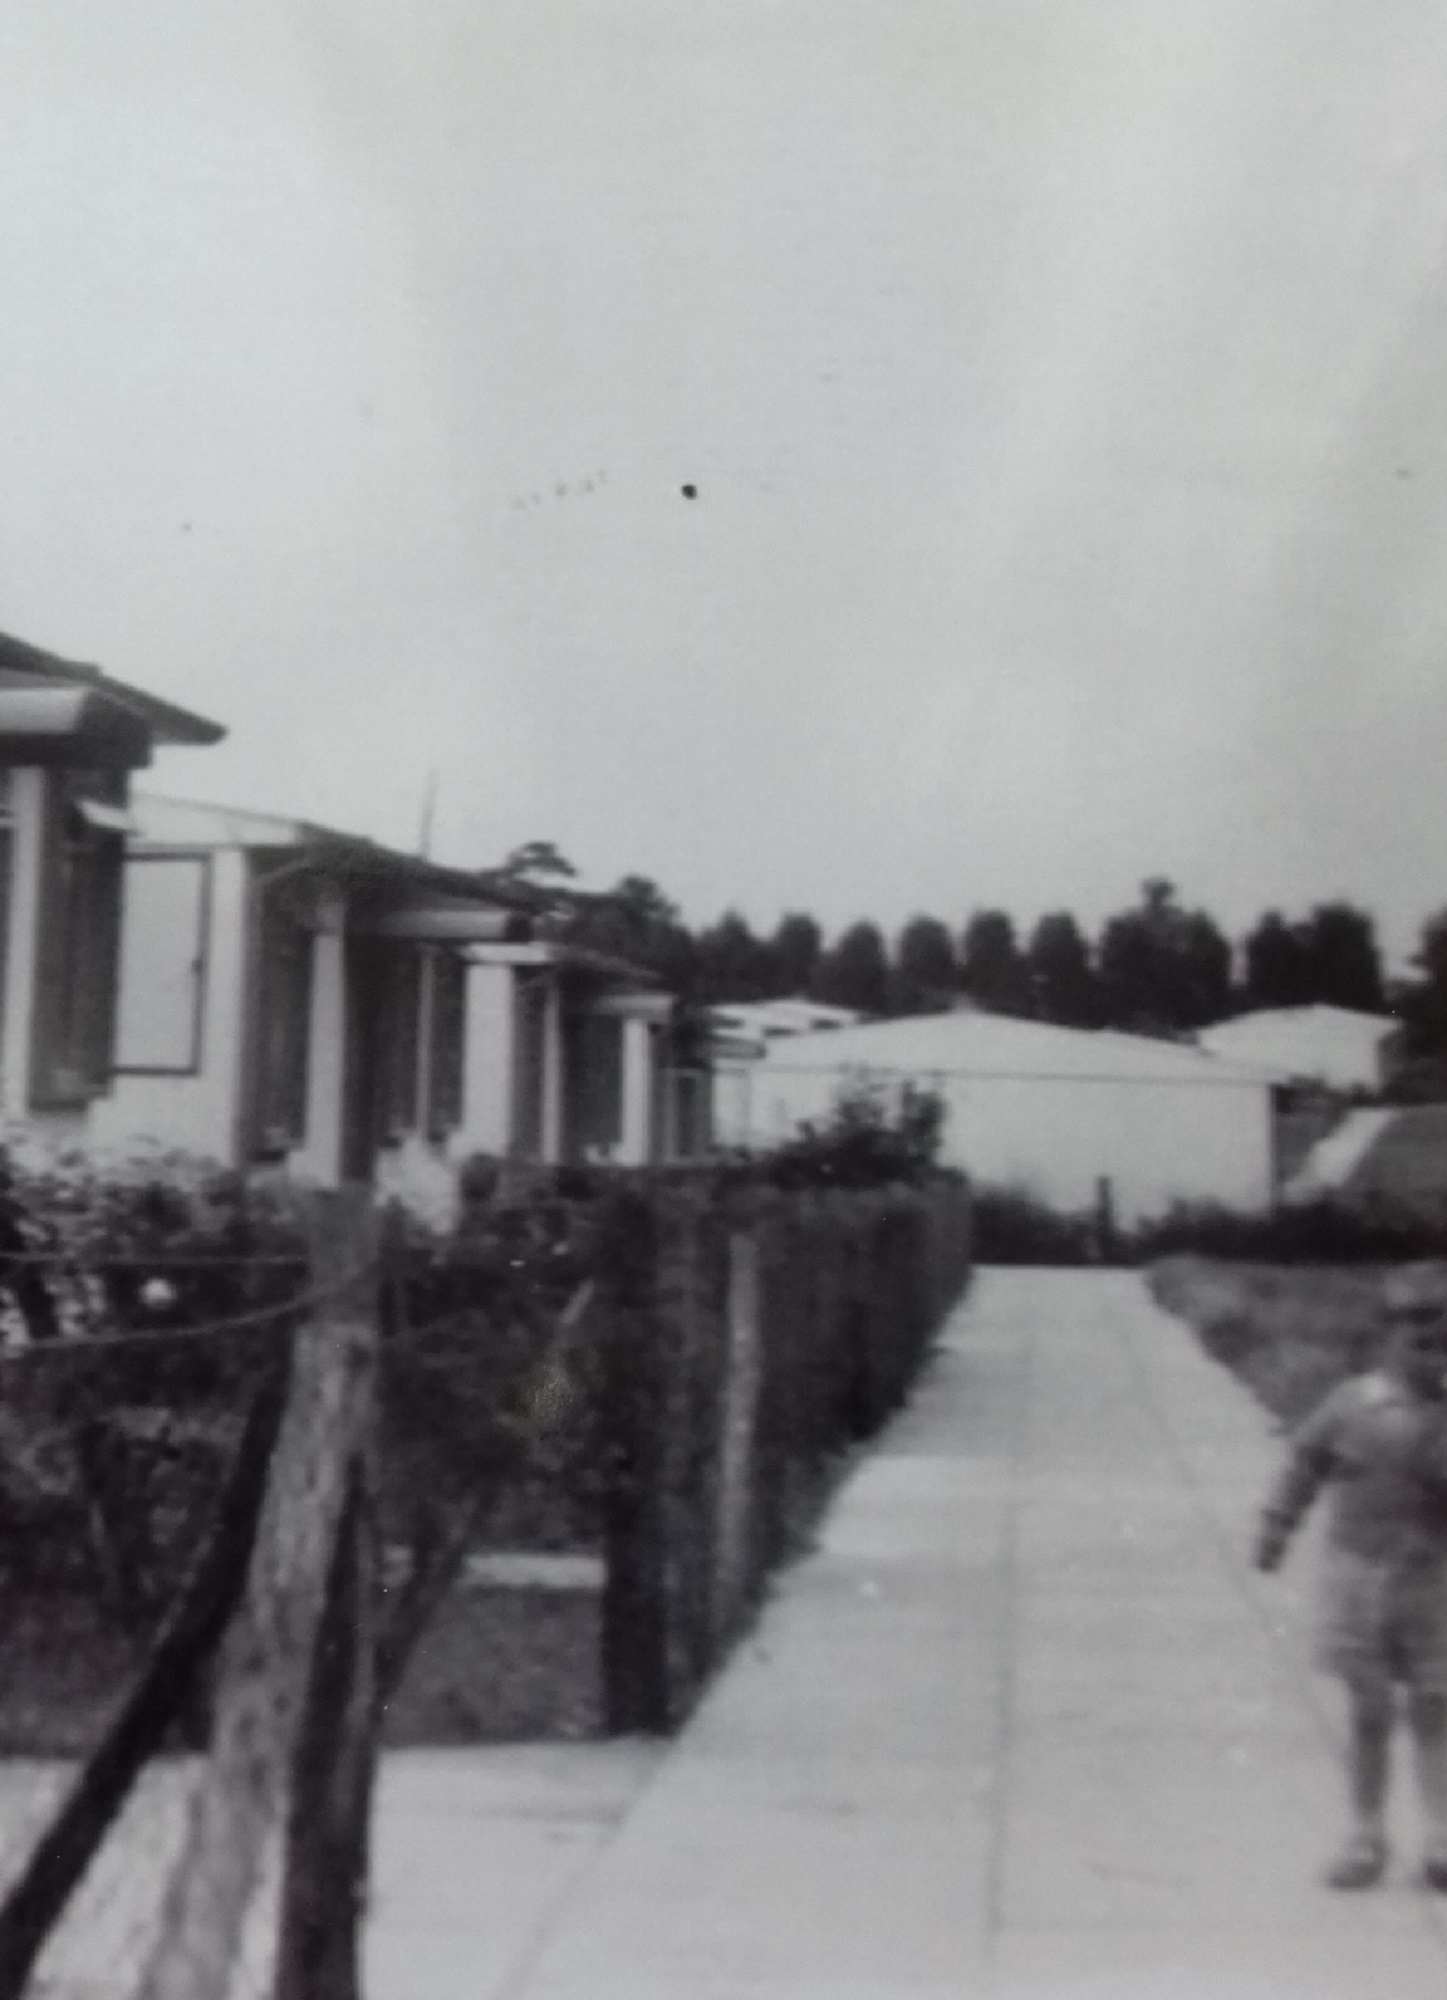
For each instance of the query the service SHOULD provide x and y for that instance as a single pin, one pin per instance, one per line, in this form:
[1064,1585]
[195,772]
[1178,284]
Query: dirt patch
[1289,1331]
[503,1664]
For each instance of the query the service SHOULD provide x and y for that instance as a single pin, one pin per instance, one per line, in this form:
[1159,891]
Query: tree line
[1155,968]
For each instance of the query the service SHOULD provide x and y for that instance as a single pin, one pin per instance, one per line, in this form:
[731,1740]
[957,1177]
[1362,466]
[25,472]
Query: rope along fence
[201,1521]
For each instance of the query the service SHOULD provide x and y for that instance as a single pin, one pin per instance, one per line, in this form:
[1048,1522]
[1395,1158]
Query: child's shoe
[1361,1863]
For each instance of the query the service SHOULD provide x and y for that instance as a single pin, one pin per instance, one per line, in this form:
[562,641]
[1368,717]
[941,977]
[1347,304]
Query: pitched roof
[973,1043]
[1402,1156]
[1318,1014]
[164,821]
[24,665]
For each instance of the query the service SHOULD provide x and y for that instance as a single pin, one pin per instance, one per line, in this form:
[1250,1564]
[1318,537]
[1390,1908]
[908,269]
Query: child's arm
[1301,1478]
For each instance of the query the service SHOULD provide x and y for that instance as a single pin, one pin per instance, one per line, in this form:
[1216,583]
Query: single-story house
[1338,1048]
[298,998]
[70,737]
[739,1032]
[1067,1114]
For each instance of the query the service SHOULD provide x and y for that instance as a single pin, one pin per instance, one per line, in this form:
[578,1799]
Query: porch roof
[172,822]
[545,951]
[23,666]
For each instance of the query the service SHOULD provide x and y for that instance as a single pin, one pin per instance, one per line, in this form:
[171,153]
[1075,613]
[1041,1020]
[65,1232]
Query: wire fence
[238,1484]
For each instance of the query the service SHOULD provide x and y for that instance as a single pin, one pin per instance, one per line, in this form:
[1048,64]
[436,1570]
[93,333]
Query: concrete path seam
[1008,1588]
[550,1922]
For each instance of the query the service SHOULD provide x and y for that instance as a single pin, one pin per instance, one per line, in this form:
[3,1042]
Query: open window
[165,908]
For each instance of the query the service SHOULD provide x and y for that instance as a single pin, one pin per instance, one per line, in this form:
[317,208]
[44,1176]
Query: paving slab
[475,1851]
[1024,1725]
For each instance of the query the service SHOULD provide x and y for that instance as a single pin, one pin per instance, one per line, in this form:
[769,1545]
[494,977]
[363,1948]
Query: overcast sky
[1064,387]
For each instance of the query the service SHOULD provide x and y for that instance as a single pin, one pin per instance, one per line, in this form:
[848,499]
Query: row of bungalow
[266,994]
[263,992]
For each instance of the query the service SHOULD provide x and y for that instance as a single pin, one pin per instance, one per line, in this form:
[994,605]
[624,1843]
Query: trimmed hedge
[800,1318]
[1317,1232]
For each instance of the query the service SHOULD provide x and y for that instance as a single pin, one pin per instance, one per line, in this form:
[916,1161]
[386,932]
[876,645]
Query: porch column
[321,1157]
[489,1060]
[28,803]
[636,1143]
[553,1077]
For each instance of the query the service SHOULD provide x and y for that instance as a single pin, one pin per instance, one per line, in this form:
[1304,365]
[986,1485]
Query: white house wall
[1341,1049]
[196,1114]
[1156,1142]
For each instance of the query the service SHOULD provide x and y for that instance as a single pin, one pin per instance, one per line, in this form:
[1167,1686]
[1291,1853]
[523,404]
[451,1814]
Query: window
[164,919]
[78,946]
[422,1005]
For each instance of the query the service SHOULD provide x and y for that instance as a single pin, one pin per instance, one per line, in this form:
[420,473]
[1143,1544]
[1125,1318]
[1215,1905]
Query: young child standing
[1379,1443]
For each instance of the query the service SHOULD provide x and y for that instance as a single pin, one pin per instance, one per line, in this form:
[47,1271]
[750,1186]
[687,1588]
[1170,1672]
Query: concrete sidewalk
[1024,1725]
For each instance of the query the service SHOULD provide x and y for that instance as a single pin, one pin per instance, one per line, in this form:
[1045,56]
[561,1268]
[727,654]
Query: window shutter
[445,1044]
[77,959]
[283,1032]
[401,992]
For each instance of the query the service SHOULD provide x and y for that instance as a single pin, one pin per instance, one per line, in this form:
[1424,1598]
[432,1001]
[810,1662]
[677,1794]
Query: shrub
[865,1143]
[1013,1226]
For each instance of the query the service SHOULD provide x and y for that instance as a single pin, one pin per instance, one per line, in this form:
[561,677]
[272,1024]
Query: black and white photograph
[723,1000]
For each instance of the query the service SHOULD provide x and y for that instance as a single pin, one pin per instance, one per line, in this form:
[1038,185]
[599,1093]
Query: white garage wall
[1156,1141]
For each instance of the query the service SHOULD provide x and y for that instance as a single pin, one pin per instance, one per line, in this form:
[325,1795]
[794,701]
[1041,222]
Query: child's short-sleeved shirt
[1382,1451]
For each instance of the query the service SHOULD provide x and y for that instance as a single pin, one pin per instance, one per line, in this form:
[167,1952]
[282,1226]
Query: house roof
[1317,1017]
[792,1016]
[23,665]
[173,822]
[1398,1155]
[995,1045]
[1337,1044]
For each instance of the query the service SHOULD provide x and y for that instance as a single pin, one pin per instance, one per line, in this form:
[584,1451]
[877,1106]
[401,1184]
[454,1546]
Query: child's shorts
[1384,1621]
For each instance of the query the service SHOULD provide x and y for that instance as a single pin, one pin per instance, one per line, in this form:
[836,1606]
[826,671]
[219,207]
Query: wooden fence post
[738,1421]
[633,1407]
[328,1844]
[267,1658]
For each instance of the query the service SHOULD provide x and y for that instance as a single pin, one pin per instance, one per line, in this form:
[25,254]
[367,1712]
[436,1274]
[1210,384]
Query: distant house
[70,737]
[1335,1047]
[299,998]
[1063,1113]
[762,1020]
[739,1033]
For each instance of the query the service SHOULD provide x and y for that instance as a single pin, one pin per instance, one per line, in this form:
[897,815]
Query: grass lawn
[1289,1331]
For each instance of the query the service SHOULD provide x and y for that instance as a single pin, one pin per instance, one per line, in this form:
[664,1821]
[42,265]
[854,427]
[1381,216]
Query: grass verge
[1288,1331]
